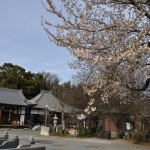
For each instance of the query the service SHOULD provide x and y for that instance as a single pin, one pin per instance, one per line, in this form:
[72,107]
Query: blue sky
[24,42]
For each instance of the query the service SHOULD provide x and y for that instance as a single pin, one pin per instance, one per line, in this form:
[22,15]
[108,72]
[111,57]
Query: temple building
[47,104]
[16,110]
[14,107]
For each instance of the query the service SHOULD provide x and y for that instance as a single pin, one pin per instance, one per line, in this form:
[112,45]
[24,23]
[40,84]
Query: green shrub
[60,133]
[79,129]
[83,132]
[136,142]
[137,136]
[125,137]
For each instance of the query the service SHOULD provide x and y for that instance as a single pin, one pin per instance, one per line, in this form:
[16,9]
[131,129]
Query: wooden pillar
[17,115]
[20,114]
[1,116]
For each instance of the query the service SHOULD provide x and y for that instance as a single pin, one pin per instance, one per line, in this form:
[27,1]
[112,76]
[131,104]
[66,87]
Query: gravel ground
[60,143]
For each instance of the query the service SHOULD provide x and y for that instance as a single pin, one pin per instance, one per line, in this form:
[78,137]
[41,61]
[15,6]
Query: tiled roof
[13,97]
[47,98]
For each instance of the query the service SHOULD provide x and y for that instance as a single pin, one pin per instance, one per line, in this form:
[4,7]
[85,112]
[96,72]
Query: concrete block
[113,135]
[45,130]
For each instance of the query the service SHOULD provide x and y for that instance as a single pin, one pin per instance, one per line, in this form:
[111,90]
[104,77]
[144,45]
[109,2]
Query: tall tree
[15,77]
[104,36]
[11,76]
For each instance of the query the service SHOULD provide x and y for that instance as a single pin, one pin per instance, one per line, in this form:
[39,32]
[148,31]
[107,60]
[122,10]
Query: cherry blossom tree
[110,40]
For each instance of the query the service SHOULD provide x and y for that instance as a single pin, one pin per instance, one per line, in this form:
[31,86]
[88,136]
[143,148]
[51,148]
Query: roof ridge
[42,92]
[36,100]
[22,95]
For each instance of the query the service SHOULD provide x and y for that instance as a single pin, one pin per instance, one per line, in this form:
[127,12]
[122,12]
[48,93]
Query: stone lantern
[55,118]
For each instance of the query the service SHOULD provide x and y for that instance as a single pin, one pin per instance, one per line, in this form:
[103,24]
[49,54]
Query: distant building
[14,107]
[16,110]
[46,101]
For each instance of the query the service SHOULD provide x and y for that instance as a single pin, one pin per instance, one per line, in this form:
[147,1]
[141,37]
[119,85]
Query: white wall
[36,111]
